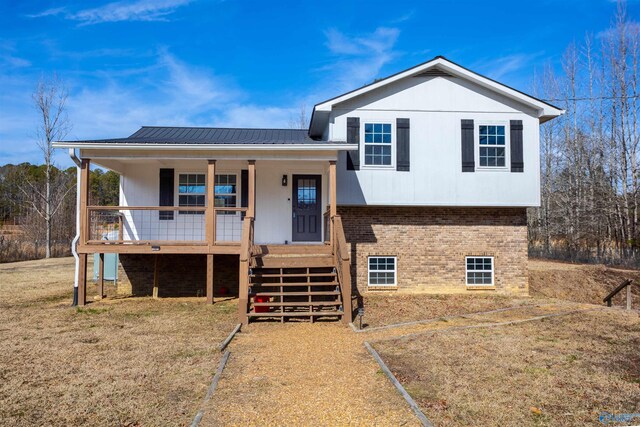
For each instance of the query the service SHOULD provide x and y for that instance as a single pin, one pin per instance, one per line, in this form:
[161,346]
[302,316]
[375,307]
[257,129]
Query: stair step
[293,275]
[276,284]
[319,249]
[295,294]
[297,314]
[286,261]
[296,304]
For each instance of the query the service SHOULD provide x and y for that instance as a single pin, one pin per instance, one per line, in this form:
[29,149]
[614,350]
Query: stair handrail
[626,284]
[342,260]
[246,247]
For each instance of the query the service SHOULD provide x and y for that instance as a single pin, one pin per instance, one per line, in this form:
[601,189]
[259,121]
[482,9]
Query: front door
[306,208]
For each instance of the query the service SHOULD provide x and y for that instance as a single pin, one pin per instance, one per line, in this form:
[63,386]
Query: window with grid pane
[226,192]
[191,191]
[382,271]
[492,146]
[377,144]
[479,271]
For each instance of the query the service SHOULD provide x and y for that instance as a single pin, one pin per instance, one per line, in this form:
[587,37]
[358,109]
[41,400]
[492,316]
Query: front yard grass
[561,371]
[128,361]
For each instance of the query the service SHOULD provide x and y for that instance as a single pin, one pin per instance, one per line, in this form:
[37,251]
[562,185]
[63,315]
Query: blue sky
[242,63]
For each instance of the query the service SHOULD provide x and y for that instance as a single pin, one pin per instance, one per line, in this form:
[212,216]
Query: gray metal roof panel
[206,135]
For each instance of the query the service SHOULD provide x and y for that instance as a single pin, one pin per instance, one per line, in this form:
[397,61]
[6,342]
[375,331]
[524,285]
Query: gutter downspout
[74,242]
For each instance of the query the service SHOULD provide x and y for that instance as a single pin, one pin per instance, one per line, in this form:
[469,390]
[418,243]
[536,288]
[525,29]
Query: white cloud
[359,58]
[139,10]
[498,68]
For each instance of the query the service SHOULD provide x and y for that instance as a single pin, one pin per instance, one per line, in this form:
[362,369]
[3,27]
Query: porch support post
[209,278]
[210,222]
[155,278]
[251,209]
[333,192]
[100,276]
[82,280]
[84,197]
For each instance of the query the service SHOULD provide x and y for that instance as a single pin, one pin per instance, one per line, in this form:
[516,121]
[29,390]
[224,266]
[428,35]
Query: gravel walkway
[302,374]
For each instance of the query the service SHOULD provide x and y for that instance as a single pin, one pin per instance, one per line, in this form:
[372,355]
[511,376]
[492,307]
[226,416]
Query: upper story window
[191,191]
[377,144]
[492,146]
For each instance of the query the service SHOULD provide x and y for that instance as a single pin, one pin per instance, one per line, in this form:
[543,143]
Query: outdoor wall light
[284,180]
[155,248]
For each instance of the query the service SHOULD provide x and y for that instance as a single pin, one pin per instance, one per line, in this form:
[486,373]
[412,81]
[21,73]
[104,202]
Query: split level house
[418,182]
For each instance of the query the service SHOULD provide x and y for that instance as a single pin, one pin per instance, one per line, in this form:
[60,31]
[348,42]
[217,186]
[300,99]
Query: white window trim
[507,146]
[364,122]
[493,271]
[177,193]
[395,271]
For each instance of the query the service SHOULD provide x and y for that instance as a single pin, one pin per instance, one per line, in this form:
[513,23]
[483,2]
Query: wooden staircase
[294,281]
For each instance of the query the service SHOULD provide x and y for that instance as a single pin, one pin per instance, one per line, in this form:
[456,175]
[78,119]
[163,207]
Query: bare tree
[300,121]
[50,99]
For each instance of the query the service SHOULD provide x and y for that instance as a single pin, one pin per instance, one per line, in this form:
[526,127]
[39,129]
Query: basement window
[479,271]
[382,271]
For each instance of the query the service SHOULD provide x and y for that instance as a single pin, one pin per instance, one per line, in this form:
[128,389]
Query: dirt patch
[386,309]
[579,282]
[561,371]
[134,361]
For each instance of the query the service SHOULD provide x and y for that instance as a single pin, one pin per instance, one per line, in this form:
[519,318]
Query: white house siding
[435,107]
[139,186]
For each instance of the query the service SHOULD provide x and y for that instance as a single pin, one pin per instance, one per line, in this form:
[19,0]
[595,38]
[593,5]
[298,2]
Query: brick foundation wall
[431,243]
[178,275]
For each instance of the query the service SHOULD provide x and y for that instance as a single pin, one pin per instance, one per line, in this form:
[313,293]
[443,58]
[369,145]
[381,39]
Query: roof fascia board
[206,147]
[543,108]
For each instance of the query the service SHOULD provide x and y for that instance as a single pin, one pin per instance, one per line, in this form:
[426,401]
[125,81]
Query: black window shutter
[166,193]
[468,149]
[353,137]
[403,153]
[517,159]
[244,189]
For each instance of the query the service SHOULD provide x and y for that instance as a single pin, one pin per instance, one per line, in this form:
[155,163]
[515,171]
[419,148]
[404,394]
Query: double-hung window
[226,188]
[479,271]
[492,146]
[382,271]
[377,144]
[191,191]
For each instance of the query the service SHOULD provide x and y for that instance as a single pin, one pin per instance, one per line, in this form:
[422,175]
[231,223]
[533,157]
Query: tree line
[590,156]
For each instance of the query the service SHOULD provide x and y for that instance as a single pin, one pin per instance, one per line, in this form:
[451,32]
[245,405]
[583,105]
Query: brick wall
[178,275]
[431,243]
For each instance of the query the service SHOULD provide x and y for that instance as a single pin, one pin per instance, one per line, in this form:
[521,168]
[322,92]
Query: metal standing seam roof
[208,135]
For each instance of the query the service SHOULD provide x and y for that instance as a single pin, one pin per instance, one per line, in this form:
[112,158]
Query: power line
[595,98]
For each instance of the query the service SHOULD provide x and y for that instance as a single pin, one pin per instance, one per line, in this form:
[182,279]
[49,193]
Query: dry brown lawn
[579,282]
[386,308]
[131,361]
[561,371]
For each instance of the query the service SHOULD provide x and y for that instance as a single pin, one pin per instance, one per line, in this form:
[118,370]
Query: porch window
[377,144]
[492,146]
[479,271]
[226,192]
[191,191]
[382,271]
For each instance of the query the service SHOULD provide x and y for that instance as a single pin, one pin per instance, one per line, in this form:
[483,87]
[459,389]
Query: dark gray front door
[306,208]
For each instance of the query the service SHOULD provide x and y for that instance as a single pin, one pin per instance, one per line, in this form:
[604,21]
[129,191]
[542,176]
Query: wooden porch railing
[626,284]
[246,251]
[342,259]
[175,225]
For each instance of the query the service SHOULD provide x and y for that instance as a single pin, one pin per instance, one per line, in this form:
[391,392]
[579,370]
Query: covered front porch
[219,205]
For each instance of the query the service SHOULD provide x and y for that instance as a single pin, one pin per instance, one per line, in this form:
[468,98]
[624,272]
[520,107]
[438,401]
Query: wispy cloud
[498,68]
[359,58]
[139,10]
